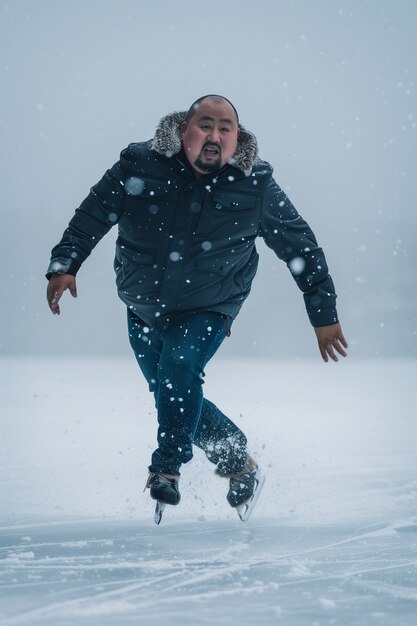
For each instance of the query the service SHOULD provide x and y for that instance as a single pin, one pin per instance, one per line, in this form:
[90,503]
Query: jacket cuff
[62,266]
[322,317]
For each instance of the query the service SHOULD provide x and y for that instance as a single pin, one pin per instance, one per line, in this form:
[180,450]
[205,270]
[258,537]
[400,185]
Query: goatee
[207,167]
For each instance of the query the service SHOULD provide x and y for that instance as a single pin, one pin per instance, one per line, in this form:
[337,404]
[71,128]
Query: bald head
[216,99]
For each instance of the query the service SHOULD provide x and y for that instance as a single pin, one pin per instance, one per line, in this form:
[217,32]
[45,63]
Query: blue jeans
[172,359]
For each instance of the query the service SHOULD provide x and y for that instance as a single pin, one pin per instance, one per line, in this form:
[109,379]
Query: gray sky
[327,86]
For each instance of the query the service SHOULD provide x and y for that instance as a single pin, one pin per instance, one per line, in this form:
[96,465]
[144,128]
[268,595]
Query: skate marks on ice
[91,572]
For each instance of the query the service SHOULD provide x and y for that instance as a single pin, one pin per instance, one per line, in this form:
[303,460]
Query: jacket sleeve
[100,210]
[293,241]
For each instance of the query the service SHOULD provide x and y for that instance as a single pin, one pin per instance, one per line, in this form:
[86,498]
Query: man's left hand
[331,339]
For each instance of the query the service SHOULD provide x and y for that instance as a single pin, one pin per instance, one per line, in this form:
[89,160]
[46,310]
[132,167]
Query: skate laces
[167,479]
[246,470]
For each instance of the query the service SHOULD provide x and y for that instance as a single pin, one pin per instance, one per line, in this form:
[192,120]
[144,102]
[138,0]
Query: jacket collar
[167,141]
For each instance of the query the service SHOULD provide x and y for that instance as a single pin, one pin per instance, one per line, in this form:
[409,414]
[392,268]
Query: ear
[238,131]
[183,128]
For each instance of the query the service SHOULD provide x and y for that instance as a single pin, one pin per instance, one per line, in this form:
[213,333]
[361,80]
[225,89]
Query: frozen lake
[332,541]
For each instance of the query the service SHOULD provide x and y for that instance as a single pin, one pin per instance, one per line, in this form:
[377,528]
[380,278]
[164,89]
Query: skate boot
[164,487]
[244,488]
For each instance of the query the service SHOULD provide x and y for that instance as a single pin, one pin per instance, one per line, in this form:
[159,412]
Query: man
[189,205]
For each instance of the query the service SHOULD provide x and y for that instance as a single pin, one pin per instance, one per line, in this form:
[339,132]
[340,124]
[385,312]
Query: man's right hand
[58,283]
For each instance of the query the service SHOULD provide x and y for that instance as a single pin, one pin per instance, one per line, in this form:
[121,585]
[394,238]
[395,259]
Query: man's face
[210,136]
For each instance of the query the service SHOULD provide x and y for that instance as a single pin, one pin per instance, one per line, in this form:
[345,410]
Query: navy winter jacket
[186,243]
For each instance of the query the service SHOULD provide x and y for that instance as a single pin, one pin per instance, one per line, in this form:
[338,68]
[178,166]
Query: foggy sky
[328,87]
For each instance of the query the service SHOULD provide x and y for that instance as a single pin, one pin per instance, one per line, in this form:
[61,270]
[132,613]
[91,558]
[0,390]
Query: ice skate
[245,488]
[163,489]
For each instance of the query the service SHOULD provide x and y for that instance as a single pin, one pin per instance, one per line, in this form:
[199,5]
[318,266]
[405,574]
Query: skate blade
[244,510]
[159,509]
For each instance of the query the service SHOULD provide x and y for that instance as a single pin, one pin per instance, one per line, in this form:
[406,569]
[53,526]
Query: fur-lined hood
[167,141]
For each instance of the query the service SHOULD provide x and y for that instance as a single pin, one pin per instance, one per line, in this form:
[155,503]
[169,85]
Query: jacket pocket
[230,201]
[226,212]
[128,261]
[214,266]
[128,253]
[244,277]
[211,281]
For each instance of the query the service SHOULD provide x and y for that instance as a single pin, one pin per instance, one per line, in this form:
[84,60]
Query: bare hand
[58,283]
[331,338]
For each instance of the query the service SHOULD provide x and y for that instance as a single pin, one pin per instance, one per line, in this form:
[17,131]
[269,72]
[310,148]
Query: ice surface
[332,541]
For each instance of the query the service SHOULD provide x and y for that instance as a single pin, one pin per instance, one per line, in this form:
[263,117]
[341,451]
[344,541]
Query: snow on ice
[332,541]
